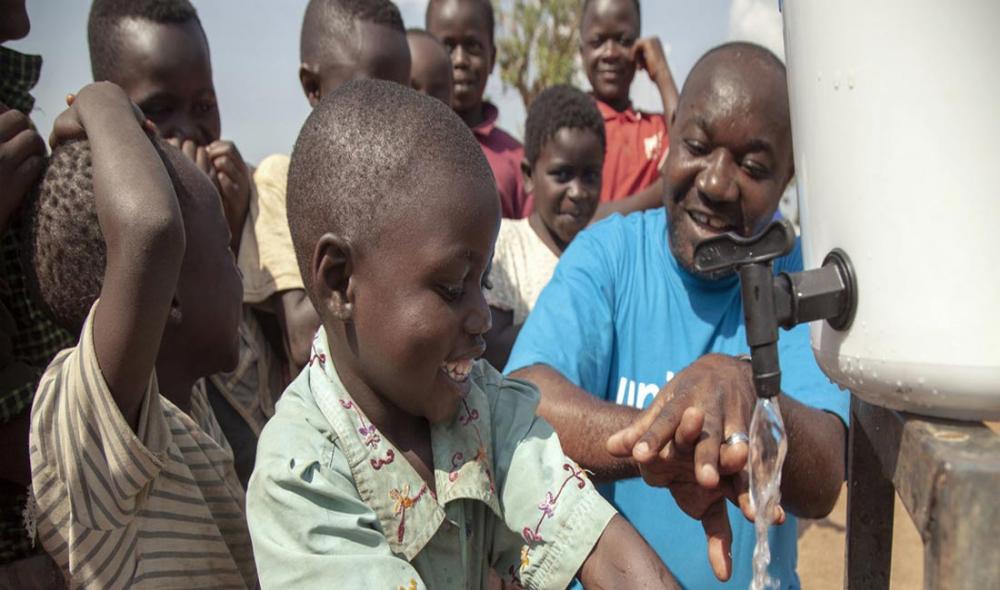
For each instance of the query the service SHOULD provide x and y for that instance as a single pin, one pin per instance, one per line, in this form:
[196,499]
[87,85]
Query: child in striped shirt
[133,479]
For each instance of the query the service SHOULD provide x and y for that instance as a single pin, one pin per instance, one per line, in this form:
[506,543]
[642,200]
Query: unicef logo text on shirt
[638,395]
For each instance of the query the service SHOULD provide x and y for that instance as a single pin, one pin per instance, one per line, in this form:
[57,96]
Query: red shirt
[504,153]
[637,143]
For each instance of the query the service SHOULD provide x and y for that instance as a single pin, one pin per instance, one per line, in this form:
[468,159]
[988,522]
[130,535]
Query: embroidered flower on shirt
[469,419]
[317,356]
[377,464]
[411,586]
[368,432]
[548,504]
[402,501]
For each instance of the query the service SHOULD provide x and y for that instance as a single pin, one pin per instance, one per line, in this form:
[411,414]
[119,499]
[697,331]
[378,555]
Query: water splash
[768,446]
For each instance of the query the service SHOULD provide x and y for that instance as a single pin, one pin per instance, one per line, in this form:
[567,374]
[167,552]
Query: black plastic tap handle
[730,250]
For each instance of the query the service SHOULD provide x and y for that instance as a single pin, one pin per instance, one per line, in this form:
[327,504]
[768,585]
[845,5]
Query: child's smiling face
[565,181]
[418,312]
[608,31]
[463,28]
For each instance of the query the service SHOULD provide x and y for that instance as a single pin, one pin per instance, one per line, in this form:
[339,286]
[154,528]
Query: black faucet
[826,293]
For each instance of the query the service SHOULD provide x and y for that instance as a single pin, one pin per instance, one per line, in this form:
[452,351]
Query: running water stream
[767,454]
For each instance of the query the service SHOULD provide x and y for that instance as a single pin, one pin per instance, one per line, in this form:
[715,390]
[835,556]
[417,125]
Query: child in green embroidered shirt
[396,459]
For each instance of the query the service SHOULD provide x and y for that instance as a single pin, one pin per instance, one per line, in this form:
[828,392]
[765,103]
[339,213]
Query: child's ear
[529,184]
[493,57]
[310,80]
[332,269]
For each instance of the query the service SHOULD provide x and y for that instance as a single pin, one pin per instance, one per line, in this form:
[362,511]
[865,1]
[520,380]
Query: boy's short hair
[485,5]
[368,152]
[64,250]
[328,21]
[586,5]
[105,15]
[559,107]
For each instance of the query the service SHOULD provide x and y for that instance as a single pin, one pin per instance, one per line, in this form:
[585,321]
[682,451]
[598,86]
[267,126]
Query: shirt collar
[489,122]
[610,114]
[408,511]
[19,73]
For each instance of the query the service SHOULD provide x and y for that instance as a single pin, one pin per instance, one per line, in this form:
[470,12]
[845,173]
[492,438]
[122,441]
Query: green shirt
[332,501]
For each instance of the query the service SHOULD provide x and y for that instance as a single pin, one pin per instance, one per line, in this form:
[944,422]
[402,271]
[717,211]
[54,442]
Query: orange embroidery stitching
[402,502]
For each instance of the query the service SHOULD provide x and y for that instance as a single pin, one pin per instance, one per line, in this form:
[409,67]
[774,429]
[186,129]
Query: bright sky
[255,48]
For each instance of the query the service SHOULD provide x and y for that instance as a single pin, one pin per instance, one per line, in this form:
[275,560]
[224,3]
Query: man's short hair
[559,107]
[486,6]
[64,250]
[743,47]
[368,152]
[330,21]
[103,36]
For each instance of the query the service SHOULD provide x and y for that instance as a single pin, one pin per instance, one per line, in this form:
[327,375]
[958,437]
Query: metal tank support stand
[947,474]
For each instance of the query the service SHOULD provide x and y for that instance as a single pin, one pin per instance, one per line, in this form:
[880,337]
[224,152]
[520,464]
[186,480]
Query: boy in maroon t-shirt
[465,27]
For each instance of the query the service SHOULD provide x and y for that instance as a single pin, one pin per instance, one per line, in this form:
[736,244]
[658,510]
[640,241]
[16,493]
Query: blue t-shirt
[620,318]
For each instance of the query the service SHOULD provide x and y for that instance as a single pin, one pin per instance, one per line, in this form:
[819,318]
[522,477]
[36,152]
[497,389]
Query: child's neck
[618,104]
[175,383]
[408,433]
[545,235]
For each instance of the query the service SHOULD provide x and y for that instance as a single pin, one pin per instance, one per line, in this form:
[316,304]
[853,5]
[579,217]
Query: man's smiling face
[731,149]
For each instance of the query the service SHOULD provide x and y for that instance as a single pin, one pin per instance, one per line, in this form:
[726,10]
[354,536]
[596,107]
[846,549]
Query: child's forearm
[142,226]
[623,559]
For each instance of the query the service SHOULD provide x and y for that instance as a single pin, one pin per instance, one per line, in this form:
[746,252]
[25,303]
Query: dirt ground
[821,550]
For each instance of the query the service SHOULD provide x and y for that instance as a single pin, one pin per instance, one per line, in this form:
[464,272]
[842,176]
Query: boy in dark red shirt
[465,27]
[637,141]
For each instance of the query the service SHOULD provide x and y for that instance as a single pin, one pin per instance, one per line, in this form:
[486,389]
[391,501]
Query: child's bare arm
[141,223]
[622,559]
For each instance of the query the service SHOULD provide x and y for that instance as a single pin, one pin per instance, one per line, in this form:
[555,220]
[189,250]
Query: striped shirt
[116,508]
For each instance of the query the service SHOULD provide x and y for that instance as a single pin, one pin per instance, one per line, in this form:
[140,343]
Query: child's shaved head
[107,15]
[330,22]
[65,253]
[370,152]
[348,40]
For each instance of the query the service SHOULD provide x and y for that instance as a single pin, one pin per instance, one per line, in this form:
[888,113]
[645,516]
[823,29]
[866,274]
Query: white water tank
[896,125]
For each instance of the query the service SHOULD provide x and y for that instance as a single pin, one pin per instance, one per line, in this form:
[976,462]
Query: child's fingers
[70,99]
[190,149]
[222,147]
[715,522]
[226,185]
[203,162]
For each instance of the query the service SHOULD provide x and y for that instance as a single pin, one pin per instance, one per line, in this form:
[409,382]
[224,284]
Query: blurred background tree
[537,44]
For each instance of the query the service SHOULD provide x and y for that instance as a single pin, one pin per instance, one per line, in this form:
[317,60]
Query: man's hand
[678,443]
[22,159]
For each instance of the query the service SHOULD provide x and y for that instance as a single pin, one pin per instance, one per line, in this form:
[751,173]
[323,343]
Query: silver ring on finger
[737,438]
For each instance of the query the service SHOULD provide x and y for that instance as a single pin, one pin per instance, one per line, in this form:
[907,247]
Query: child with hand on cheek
[564,154]
[396,459]
[612,52]
[157,51]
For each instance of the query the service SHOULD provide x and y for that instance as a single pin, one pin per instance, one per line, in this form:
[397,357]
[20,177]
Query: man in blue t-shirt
[626,324]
